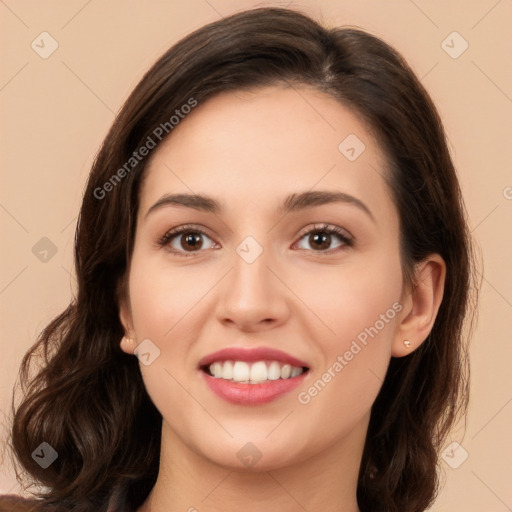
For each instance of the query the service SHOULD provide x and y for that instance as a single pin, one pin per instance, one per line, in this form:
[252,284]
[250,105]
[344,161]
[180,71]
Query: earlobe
[127,343]
[423,302]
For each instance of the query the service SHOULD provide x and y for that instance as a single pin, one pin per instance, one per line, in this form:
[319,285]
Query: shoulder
[12,503]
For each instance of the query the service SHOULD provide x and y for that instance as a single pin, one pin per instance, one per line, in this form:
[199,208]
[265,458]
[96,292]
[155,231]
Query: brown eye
[184,240]
[188,240]
[192,241]
[321,238]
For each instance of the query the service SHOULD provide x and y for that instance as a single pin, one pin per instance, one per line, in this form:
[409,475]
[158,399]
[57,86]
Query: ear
[421,305]
[128,342]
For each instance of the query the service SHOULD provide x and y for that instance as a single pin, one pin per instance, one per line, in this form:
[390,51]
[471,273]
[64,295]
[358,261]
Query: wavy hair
[87,398]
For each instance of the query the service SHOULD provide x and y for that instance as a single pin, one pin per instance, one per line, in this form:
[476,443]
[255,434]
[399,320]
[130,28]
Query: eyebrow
[293,203]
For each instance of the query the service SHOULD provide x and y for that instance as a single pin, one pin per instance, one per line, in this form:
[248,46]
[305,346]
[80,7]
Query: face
[321,281]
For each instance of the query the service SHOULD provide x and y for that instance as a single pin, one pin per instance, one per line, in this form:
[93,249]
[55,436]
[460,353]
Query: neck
[325,482]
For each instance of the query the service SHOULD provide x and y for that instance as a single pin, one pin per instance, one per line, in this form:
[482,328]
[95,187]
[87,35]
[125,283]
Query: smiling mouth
[255,372]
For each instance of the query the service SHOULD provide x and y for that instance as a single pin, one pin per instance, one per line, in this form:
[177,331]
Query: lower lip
[251,394]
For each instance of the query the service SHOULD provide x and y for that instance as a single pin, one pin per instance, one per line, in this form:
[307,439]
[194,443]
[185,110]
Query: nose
[253,296]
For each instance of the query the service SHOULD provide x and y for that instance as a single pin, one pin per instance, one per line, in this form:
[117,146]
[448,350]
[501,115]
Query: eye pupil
[193,240]
[321,238]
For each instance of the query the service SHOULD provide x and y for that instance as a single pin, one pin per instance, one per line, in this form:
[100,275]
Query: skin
[249,150]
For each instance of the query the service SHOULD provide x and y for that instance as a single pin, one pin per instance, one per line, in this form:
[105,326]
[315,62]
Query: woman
[274,270]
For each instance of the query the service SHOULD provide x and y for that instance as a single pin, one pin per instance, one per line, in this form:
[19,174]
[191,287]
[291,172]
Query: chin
[254,454]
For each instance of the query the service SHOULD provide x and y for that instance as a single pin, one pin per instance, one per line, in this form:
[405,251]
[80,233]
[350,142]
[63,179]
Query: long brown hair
[88,400]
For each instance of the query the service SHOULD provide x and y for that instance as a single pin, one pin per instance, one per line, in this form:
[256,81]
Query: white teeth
[286,371]
[296,371]
[227,370]
[258,372]
[274,371]
[240,371]
[216,369]
[253,373]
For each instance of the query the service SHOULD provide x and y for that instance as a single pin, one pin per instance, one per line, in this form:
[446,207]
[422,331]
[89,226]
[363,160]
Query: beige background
[56,111]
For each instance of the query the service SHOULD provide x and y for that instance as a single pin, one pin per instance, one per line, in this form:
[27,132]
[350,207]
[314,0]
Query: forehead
[253,145]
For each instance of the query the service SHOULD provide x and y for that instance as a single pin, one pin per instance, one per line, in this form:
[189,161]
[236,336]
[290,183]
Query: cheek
[162,295]
[166,301]
[349,300]
[162,300]
[358,310]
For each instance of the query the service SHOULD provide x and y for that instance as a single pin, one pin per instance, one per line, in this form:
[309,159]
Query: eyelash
[190,229]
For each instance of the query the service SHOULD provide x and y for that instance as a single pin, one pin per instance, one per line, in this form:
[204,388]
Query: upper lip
[251,355]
